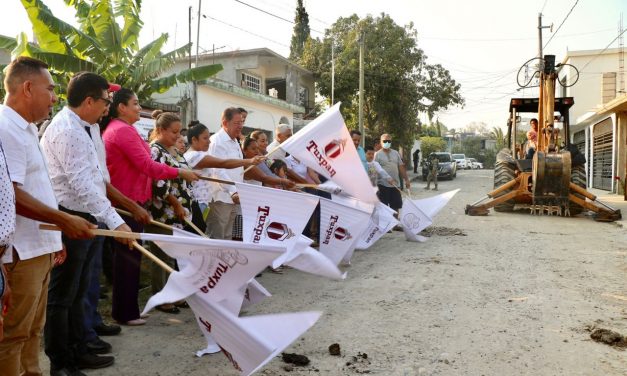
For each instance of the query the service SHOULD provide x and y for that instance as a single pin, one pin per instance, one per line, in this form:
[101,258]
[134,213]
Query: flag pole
[152,221]
[216,180]
[192,225]
[267,155]
[119,234]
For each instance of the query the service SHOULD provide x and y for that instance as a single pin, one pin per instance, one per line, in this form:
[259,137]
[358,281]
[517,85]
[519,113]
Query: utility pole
[195,100]
[332,71]
[361,88]
[189,24]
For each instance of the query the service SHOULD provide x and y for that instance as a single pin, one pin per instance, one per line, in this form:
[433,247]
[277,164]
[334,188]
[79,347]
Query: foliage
[398,81]
[102,46]
[498,135]
[429,145]
[301,32]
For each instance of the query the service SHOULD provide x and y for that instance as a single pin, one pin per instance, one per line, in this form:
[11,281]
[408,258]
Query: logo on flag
[278,231]
[334,148]
[232,257]
[262,214]
[312,147]
[411,221]
[342,234]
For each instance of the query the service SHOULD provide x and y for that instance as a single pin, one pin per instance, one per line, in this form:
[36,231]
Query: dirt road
[517,295]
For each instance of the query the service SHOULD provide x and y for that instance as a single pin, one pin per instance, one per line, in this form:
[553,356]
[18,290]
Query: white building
[266,84]
[598,117]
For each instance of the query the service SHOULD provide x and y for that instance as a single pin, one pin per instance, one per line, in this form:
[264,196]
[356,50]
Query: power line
[600,53]
[505,39]
[273,15]
[246,31]
[560,26]
[544,5]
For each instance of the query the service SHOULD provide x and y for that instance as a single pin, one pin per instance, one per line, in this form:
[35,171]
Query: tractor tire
[578,176]
[503,173]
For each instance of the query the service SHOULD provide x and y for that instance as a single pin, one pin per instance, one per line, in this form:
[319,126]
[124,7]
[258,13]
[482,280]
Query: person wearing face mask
[392,163]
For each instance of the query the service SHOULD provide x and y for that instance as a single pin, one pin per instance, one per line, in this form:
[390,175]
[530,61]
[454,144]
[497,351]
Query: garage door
[602,156]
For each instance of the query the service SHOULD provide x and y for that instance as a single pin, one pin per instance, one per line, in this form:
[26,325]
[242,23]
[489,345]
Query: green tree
[429,145]
[301,32]
[102,46]
[498,135]
[398,81]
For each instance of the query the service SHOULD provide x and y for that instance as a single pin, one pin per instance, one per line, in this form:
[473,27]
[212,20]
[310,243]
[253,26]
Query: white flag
[342,221]
[309,260]
[247,295]
[215,268]
[274,216]
[382,220]
[326,146]
[250,342]
[416,215]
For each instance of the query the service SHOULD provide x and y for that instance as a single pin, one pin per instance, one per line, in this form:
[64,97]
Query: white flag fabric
[342,221]
[247,295]
[309,260]
[250,342]
[382,220]
[216,268]
[326,146]
[416,215]
[274,216]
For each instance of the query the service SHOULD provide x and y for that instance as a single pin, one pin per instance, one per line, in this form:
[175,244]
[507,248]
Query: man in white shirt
[281,133]
[30,97]
[225,144]
[7,228]
[79,183]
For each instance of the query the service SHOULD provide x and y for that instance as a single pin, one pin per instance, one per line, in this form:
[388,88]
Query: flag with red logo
[326,146]
[215,268]
[274,216]
[249,342]
[416,215]
[342,221]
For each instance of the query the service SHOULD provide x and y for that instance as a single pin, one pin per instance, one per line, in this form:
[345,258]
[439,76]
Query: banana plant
[99,44]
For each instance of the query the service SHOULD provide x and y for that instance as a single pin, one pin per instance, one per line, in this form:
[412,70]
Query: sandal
[168,308]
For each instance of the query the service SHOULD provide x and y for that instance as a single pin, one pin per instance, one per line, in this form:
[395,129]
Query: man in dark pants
[81,189]
[416,158]
[392,163]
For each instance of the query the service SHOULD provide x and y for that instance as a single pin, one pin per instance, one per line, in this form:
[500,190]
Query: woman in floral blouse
[171,200]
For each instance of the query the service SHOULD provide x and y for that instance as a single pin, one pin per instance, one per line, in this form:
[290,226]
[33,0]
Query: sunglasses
[387,140]
[107,100]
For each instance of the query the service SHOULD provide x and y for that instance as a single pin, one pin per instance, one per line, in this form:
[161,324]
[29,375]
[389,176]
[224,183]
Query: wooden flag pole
[152,221]
[192,225]
[216,180]
[267,155]
[305,185]
[120,234]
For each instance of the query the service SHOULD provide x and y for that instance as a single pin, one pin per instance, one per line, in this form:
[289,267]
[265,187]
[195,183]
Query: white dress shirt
[278,153]
[224,147]
[7,204]
[76,172]
[27,168]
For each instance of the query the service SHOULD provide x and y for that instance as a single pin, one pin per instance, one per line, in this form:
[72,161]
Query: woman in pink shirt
[132,170]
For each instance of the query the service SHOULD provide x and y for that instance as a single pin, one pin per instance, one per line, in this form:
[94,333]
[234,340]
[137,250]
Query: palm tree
[499,136]
[100,45]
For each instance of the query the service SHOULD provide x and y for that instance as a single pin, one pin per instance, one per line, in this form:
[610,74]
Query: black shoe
[98,346]
[66,372]
[107,330]
[168,308]
[92,361]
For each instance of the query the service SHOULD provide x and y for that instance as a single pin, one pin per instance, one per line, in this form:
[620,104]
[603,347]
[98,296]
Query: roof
[571,54]
[618,104]
[255,51]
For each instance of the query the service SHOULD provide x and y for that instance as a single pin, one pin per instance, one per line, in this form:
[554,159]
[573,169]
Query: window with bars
[251,82]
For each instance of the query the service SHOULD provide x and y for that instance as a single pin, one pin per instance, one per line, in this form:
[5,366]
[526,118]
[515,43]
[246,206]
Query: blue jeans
[64,331]
[92,316]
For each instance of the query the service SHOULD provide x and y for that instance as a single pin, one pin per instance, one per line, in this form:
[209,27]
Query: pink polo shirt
[129,162]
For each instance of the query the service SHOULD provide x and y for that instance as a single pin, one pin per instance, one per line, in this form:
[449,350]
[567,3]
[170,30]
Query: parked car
[447,167]
[461,161]
[474,164]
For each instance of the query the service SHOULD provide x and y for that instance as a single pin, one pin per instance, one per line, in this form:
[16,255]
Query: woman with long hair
[132,172]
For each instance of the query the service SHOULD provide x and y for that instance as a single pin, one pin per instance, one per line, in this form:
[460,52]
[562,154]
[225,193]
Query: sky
[481,42]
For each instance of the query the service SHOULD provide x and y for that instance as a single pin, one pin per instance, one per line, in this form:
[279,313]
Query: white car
[460,159]
[474,164]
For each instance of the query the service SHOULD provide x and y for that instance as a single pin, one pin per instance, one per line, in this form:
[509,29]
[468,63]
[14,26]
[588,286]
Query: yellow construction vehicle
[553,180]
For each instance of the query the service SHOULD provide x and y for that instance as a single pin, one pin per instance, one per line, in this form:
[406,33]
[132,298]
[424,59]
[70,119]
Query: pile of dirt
[609,338]
[295,359]
[442,231]
[359,363]
[334,349]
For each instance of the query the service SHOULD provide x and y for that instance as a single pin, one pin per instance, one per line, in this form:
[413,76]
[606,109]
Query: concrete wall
[211,103]
[588,91]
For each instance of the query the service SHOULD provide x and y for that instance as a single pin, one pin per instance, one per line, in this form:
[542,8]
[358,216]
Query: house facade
[599,115]
[271,88]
